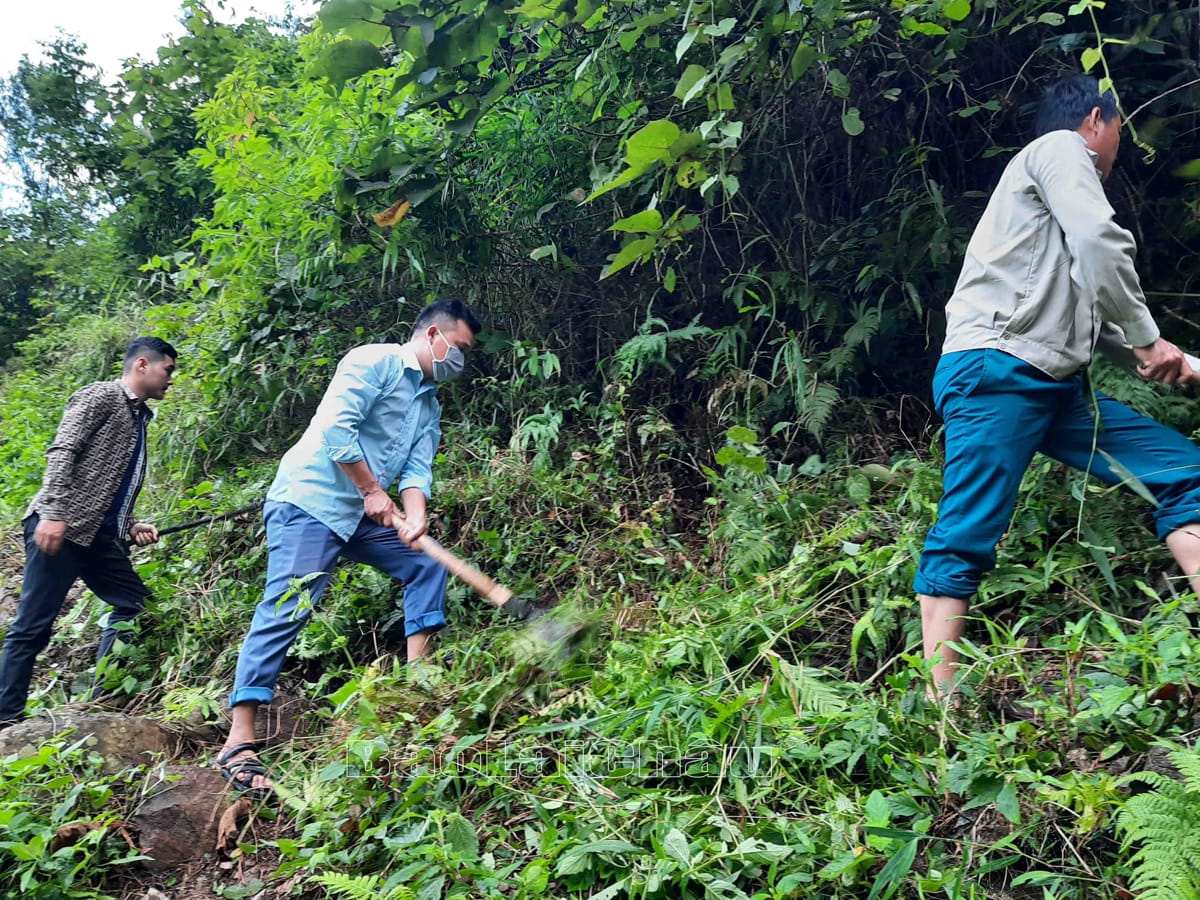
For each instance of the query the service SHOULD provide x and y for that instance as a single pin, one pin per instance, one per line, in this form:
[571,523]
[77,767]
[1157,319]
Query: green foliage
[1164,823]
[362,887]
[60,834]
[709,242]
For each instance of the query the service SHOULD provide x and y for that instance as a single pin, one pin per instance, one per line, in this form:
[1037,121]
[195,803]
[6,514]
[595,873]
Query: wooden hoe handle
[488,588]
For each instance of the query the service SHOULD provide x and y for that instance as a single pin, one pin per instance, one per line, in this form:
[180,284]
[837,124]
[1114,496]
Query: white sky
[112,31]
[117,29]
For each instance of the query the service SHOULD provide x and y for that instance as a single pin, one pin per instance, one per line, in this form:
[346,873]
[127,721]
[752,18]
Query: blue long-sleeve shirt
[377,408]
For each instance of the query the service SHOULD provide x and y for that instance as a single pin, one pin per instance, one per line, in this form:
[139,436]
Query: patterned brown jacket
[88,458]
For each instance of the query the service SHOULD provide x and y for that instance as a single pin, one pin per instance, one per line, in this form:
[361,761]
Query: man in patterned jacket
[77,524]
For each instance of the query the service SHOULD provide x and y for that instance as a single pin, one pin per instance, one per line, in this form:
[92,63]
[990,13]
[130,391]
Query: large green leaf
[646,220]
[691,82]
[348,59]
[460,836]
[957,10]
[634,251]
[337,14]
[852,122]
[651,142]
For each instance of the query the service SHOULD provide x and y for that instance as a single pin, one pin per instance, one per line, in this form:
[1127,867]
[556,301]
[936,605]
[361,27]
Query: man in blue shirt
[378,424]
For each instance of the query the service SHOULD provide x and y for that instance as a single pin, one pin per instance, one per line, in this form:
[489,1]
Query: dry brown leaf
[70,835]
[392,214]
[228,828]
[73,832]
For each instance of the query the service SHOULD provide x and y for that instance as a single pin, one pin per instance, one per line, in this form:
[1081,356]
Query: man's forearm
[413,500]
[362,476]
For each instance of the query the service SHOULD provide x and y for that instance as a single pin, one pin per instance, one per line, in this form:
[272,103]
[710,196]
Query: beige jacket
[1047,269]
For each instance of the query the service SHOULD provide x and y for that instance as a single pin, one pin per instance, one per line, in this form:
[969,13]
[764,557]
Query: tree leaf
[347,59]
[804,57]
[634,251]
[651,141]
[1189,169]
[677,846]
[890,876]
[879,813]
[460,836]
[393,214]
[1089,58]
[644,221]
[1007,803]
[852,123]
[337,14]
[740,434]
[957,10]
[691,82]
[534,877]
[649,144]
[838,83]
[419,190]
[685,42]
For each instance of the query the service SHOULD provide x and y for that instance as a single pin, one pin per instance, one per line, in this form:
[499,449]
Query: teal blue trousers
[998,412]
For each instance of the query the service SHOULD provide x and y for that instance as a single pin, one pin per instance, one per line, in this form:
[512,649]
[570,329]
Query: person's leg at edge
[424,582]
[1184,544]
[1165,462]
[417,645]
[241,731]
[44,587]
[298,546]
[108,572]
[942,624]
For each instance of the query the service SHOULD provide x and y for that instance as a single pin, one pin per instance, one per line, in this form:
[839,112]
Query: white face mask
[449,366]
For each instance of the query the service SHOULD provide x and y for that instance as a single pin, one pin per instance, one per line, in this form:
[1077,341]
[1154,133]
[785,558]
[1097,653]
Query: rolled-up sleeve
[348,400]
[1102,252]
[418,468]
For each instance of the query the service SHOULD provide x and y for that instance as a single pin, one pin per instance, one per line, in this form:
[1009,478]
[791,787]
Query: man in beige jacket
[1048,279]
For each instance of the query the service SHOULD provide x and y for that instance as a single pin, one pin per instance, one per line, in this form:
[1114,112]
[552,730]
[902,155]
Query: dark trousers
[104,568]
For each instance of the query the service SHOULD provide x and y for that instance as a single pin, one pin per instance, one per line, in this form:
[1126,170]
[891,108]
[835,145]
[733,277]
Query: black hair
[446,312]
[1068,101]
[153,348]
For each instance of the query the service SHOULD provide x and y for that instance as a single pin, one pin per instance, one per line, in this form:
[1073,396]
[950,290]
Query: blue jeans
[300,547]
[105,569]
[998,412]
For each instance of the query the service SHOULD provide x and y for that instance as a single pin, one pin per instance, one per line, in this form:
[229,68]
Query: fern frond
[812,694]
[1165,823]
[353,887]
[1155,780]
[360,887]
[1188,764]
[816,406]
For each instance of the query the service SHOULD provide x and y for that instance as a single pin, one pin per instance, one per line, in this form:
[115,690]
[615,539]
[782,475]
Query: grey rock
[177,822]
[122,741]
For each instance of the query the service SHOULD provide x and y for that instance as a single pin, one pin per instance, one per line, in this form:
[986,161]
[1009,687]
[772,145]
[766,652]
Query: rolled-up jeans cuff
[930,587]
[251,695]
[430,621]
